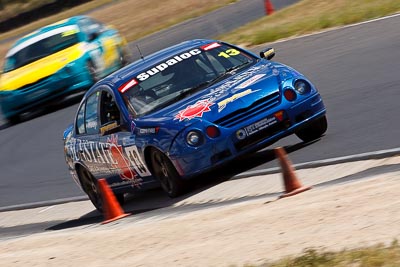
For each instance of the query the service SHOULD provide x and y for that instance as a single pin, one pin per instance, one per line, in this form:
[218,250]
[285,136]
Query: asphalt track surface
[32,164]
[211,25]
[355,69]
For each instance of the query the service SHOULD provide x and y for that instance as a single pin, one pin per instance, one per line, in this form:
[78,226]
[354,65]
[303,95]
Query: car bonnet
[40,69]
[238,91]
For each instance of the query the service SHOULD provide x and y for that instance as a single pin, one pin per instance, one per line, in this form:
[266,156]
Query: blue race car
[57,59]
[183,111]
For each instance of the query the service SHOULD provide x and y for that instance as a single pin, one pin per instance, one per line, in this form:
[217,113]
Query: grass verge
[309,16]
[375,256]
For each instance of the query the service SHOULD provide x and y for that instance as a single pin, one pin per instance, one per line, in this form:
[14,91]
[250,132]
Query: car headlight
[302,87]
[194,138]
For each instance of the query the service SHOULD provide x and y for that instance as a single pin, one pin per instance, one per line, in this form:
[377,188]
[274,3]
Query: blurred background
[356,71]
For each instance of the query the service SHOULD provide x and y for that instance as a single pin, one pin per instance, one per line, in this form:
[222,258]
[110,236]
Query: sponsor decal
[193,111]
[210,46]
[170,62]
[121,162]
[250,81]
[150,130]
[108,127]
[92,152]
[259,125]
[126,162]
[226,87]
[223,103]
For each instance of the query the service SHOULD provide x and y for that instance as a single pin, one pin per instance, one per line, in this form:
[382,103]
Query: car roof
[58,24]
[141,65]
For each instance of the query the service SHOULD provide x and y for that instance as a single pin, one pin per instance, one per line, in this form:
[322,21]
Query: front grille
[260,106]
[28,87]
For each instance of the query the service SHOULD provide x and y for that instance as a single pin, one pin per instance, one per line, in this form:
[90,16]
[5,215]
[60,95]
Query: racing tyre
[314,130]
[91,188]
[166,173]
[14,119]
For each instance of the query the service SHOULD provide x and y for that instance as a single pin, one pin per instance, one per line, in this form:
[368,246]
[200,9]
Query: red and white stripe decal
[210,46]
[126,86]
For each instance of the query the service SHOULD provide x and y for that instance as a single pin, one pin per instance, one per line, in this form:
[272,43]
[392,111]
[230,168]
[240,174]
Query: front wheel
[15,119]
[166,173]
[314,130]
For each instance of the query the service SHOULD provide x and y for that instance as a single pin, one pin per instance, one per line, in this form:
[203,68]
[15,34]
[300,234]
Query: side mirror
[93,36]
[268,53]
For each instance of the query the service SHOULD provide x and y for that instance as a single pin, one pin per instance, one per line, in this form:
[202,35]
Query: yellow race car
[55,60]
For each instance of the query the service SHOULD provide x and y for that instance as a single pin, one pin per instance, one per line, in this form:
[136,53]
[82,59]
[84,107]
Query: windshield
[41,46]
[182,75]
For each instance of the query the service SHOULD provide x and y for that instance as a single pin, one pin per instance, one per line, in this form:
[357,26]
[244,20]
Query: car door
[88,150]
[125,163]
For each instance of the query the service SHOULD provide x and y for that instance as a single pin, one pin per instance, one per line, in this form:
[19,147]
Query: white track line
[335,29]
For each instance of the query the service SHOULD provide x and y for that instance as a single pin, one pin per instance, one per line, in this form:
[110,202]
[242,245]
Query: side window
[80,121]
[91,116]
[95,25]
[108,109]
[90,26]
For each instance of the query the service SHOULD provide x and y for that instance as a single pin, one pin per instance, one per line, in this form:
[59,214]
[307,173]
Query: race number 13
[228,53]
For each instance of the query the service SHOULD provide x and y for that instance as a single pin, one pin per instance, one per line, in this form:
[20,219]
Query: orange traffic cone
[111,209]
[292,184]
[269,8]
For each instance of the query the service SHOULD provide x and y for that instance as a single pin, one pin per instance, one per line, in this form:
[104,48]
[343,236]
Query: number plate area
[260,130]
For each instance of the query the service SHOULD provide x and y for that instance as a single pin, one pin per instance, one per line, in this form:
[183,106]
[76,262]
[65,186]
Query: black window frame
[84,106]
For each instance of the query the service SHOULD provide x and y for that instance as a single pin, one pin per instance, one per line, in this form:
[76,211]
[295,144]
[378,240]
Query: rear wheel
[166,173]
[314,130]
[91,188]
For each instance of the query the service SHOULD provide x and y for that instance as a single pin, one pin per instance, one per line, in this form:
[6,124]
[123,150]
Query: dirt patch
[333,217]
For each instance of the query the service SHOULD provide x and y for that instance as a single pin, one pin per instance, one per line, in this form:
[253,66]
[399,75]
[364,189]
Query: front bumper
[249,136]
[26,98]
